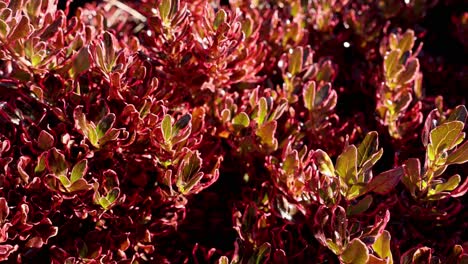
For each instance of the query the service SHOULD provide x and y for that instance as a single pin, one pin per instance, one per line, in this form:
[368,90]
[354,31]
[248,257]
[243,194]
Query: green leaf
[382,246]
[291,162]
[409,73]
[333,246]
[112,134]
[189,172]
[393,41]
[41,163]
[3,29]
[87,128]
[407,41]
[346,165]
[33,7]
[56,162]
[403,102]
[81,62]
[450,185]
[355,191]
[279,110]
[355,253]
[241,120]
[104,202]
[266,132]
[190,165]
[322,94]
[458,114]
[459,156]
[371,161]
[165,8]
[325,164]
[360,207]
[113,195]
[308,94]
[262,110]
[64,180]
[263,253]
[446,136]
[166,128]
[79,170]
[367,147]
[104,125]
[83,250]
[385,181]
[219,19]
[295,61]
[325,72]
[431,152]
[80,185]
[187,186]
[391,63]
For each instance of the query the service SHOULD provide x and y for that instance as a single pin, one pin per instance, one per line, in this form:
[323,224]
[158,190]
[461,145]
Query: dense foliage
[248,131]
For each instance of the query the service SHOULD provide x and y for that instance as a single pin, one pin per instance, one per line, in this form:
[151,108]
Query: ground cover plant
[241,131]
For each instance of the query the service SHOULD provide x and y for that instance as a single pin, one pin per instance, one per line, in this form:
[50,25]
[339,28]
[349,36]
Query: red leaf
[386,181]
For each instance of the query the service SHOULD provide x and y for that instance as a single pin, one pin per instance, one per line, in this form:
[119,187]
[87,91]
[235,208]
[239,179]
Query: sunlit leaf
[449,185]
[113,195]
[266,132]
[346,164]
[446,136]
[241,120]
[219,19]
[391,63]
[166,128]
[104,125]
[262,110]
[459,156]
[367,147]
[308,94]
[325,164]
[79,170]
[407,41]
[355,253]
[382,246]
[295,61]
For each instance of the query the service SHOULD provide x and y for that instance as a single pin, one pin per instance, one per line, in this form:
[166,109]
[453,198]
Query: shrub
[279,131]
